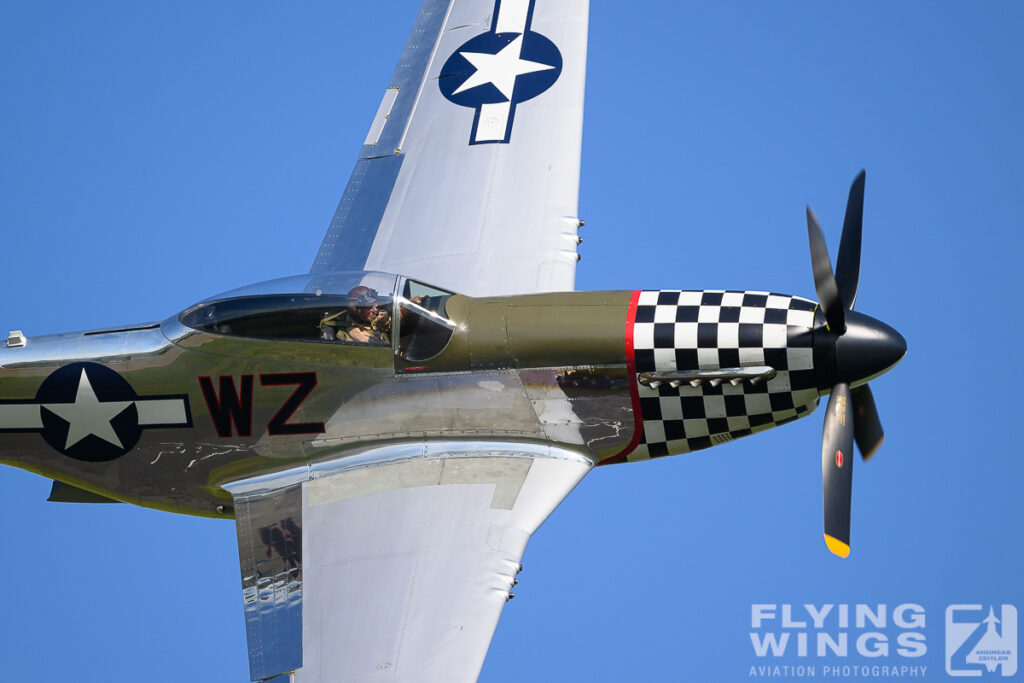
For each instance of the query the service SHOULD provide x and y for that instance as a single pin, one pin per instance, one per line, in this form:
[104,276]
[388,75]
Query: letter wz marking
[228,406]
[305,382]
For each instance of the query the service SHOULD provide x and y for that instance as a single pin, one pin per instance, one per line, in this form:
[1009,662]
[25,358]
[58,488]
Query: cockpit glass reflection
[425,328]
[339,308]
[354,308]
[360,317]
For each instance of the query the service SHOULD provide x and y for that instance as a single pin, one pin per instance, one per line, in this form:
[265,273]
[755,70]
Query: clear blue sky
[154,154]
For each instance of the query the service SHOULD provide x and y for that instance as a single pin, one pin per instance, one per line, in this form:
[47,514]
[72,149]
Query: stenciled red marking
[634,389]
[839,458]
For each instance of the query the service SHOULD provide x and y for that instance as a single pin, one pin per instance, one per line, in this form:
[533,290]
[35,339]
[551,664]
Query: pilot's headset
[363,299]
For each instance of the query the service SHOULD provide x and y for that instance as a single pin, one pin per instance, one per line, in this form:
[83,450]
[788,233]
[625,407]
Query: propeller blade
[867,428]
[837,469]
[824,280]
[848,261]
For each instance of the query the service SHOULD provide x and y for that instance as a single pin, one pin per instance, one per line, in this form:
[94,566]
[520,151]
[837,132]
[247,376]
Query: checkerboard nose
[703,348]
[714,329]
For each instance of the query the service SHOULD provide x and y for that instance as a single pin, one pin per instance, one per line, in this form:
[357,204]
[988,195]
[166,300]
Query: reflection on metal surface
[493,495]
[146,347]
[588,406]
[468,404]
[269,528]
[547,369]
[506,472]
[283,539]
[474,389]
[353,228]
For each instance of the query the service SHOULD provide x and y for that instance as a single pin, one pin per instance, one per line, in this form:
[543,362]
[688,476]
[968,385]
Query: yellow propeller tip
[837,547]
[875,449]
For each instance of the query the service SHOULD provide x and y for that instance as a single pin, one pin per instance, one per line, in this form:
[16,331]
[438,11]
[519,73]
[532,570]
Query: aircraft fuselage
[163,415]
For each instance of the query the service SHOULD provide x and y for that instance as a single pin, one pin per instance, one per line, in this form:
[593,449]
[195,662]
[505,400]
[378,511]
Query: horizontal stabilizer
[759,373]
[66,493]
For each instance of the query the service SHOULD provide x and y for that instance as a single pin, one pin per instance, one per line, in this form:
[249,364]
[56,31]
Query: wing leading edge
[395,569]
[469,175]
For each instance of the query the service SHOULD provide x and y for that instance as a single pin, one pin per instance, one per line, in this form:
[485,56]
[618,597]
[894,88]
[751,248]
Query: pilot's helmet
[363,300]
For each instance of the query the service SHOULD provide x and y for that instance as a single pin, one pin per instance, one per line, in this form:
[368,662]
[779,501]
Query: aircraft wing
[395,568]
[469,175]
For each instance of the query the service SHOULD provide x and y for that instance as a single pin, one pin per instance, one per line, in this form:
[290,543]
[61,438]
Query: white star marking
[88,415]
[500,70]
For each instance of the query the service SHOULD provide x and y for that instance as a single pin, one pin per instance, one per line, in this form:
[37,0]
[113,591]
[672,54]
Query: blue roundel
[64,387]
[535,48]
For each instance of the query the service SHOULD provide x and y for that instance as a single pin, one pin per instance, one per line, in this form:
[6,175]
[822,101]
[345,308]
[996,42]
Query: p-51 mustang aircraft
[390,428]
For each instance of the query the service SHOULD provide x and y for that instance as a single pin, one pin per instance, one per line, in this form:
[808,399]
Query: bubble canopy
[341,282]
[351,307]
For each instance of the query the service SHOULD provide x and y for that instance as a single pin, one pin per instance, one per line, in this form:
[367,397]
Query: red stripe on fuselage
[634,391]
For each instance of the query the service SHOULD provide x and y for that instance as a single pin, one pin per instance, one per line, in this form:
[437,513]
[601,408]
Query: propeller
[849,349]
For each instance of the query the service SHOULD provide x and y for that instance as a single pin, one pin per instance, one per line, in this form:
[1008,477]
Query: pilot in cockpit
[367,320]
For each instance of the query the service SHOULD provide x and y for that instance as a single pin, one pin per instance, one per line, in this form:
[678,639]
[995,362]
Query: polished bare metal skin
[541,369]
[536,369]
